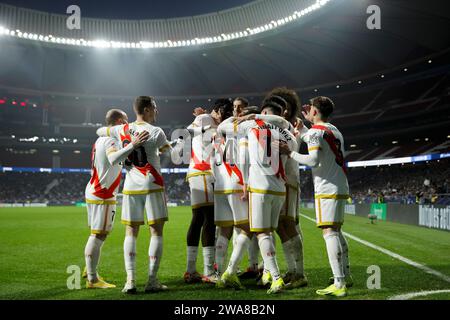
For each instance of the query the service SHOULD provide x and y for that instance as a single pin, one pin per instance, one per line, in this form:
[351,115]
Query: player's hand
[306,112]
[246,118]
[281,146]
[298,124]
[140,139]
[244,196]
[198,111]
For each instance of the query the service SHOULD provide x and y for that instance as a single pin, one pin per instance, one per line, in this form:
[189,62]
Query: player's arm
[201,123]
[177,150]
[314,146]
[112,132]
[235,127]
[116,156]
[244,164]
[275,120]
[162,143]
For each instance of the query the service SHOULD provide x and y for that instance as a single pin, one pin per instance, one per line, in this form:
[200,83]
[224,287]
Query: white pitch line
[393,255]
[411,295]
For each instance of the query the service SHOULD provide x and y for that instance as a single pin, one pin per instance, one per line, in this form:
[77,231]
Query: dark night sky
[131,9]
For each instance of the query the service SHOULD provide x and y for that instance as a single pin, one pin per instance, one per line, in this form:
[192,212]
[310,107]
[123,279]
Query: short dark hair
[276,103]
[250,110]
[243,100]
[113,115]
[224,106]
[324,104]
[142,102]
[292,99]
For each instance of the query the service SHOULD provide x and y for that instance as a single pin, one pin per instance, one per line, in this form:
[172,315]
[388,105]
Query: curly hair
[292,99]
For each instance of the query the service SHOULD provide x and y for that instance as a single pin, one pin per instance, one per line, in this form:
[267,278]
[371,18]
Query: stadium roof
[333,46]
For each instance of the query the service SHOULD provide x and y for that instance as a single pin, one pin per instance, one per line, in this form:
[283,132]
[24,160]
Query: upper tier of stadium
[236,23]
[329,46]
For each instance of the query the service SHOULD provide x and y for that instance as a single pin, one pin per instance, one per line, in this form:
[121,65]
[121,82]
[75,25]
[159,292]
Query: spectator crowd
[422,183]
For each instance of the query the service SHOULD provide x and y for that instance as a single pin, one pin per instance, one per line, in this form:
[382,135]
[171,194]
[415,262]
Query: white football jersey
[105,178]
[143,164]
[329,176]
[226,167]
[202,148]
[267,172]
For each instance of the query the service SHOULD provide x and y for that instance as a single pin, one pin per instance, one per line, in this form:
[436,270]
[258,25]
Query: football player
[101,192]
[326,158]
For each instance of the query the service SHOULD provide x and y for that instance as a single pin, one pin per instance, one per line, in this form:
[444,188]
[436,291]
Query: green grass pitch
[38,244]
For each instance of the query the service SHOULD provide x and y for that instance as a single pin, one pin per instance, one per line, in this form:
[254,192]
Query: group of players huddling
[244,180]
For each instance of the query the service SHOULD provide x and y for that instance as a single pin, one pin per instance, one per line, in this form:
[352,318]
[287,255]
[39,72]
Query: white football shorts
[101,217]
[202,191]
[264,211]
[230,210]
[135,206]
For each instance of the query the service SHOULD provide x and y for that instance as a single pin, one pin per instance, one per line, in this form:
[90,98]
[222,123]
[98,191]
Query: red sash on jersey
[230,169]
[200,165]
[148,168]
[125,139]
[101,192]
[330,139]
[280,172]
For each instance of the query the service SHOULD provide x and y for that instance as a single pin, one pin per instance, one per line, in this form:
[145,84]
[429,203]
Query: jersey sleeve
[114,132]
[203,120]
[114,154]
[111,146]
[161,141]
[314,139]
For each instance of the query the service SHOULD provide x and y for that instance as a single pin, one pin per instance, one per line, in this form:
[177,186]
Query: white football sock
[253,253]
[129,254]
[191,265]
[155,251]
[334,250]
[297,252]
[239,248]
[345,260]
[288,256]
[92,253]
[208,260]
[221,252]
[236,233]
[268,253]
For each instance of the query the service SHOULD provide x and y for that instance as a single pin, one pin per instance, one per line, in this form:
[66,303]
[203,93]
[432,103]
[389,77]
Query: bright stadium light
[270,25]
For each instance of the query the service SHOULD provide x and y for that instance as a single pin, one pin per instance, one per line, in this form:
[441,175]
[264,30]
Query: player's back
[227,172]
[267,170]
[105,178]
[330,175]
[143,164]
[201,148]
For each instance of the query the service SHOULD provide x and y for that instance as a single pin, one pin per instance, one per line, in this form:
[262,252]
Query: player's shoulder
[204,120]
[105,142]
[333,128]
[139,126]
[203,116]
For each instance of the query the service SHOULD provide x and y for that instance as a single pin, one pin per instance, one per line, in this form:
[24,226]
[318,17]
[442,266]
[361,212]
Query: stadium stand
[424,183]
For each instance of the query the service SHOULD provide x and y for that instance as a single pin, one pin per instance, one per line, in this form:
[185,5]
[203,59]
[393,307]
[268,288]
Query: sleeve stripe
[313,148]
[164,148]
[110,150]
[108,131]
